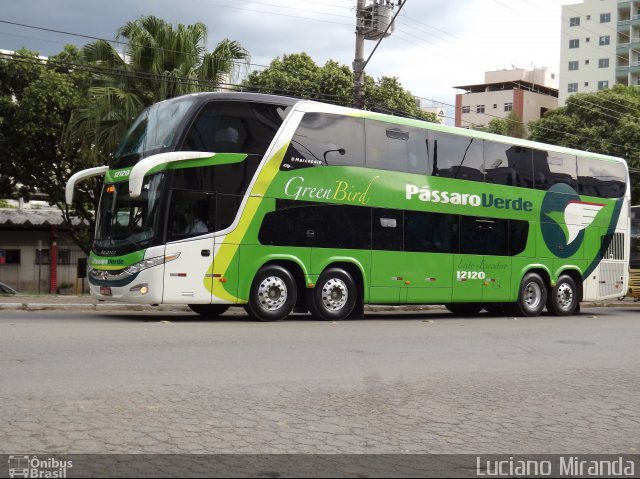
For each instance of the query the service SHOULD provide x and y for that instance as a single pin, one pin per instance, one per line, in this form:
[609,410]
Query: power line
[247,87]
[118,42]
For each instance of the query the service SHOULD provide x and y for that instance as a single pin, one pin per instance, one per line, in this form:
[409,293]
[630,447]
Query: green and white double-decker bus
[279,204]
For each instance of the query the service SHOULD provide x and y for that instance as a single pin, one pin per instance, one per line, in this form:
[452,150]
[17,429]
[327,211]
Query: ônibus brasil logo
[563,219]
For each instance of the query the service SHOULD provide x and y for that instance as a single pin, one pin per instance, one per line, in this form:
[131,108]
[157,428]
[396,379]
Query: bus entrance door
[186,279]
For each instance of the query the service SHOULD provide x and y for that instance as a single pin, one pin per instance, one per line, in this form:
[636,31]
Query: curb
[11,305]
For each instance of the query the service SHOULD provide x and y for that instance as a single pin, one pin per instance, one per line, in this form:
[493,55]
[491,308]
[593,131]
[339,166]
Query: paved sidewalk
[73,302]
[86,302]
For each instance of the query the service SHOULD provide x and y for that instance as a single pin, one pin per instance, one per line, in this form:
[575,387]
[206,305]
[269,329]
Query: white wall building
[600,46]
[528,93]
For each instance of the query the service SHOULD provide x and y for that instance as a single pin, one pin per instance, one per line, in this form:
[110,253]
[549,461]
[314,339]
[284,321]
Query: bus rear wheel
[532,296]
[273,294]
[563,298]
[209,311]
[334,295]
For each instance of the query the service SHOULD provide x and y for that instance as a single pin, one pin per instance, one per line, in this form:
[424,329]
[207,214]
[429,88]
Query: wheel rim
[272,293]
[334,294]
[565,296]
[532,295]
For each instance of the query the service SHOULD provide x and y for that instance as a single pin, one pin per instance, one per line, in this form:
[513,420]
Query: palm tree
[159,61]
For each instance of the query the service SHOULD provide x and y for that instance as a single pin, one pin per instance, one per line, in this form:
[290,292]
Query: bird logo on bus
[563,219]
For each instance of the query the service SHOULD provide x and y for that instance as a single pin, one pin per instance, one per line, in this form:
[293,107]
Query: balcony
[622,48]
[622,71]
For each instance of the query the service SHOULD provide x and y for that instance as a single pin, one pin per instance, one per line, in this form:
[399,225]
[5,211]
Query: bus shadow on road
[237,315]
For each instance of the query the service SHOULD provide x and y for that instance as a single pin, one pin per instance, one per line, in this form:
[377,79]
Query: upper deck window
[234,127]
[324,139]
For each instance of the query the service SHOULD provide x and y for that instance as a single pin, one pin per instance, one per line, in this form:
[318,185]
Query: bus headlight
[150,263]
[141,289]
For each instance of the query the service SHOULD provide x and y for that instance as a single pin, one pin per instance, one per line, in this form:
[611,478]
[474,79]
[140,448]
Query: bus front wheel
[273,294]
[532,296]
[563,298]
[209,311]
[334,295]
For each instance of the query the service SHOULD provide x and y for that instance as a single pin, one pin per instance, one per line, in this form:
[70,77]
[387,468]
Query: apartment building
[600,46]
[528,93]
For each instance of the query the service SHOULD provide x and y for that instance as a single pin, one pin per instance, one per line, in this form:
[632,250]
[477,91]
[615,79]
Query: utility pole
[374,22]
[358,62]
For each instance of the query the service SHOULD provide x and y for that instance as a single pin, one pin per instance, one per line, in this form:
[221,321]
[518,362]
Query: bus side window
[484,236]
[233,127]
[324,139]
[430,232]
[505,164]
[396,148]
[189,214]
[552,168]
[387,230]
[601,178]
[518,236]
[453,156]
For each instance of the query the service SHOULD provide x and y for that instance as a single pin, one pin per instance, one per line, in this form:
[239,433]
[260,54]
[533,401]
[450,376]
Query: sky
[436,45]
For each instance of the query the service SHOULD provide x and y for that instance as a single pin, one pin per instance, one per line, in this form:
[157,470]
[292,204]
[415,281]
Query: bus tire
[563,297]
[334,295]
[273,294]
[209,311]
[532,296]
[464,309]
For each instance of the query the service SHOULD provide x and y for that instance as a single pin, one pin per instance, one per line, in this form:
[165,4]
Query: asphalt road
[91,382]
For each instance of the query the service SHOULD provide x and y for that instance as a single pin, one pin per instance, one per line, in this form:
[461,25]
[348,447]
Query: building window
[573,66]
[64,256]
[466,109]
[603,63]
[586,84]
[587,39]
[508,107]
[605,17]
[574,22]
[572,87]
[586,62]
[605,40]
[480,109]
[574,43]
[603,84]
[588,17]
[9,256]
[42,256]
[495,105]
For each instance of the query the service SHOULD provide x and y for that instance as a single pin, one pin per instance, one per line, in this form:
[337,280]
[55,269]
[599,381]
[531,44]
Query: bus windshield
[154,131]
[126,224]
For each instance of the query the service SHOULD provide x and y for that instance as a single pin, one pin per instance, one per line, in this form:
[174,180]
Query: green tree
[36,101]
[160,61]
[607,121]
[511,125]
[297,75]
